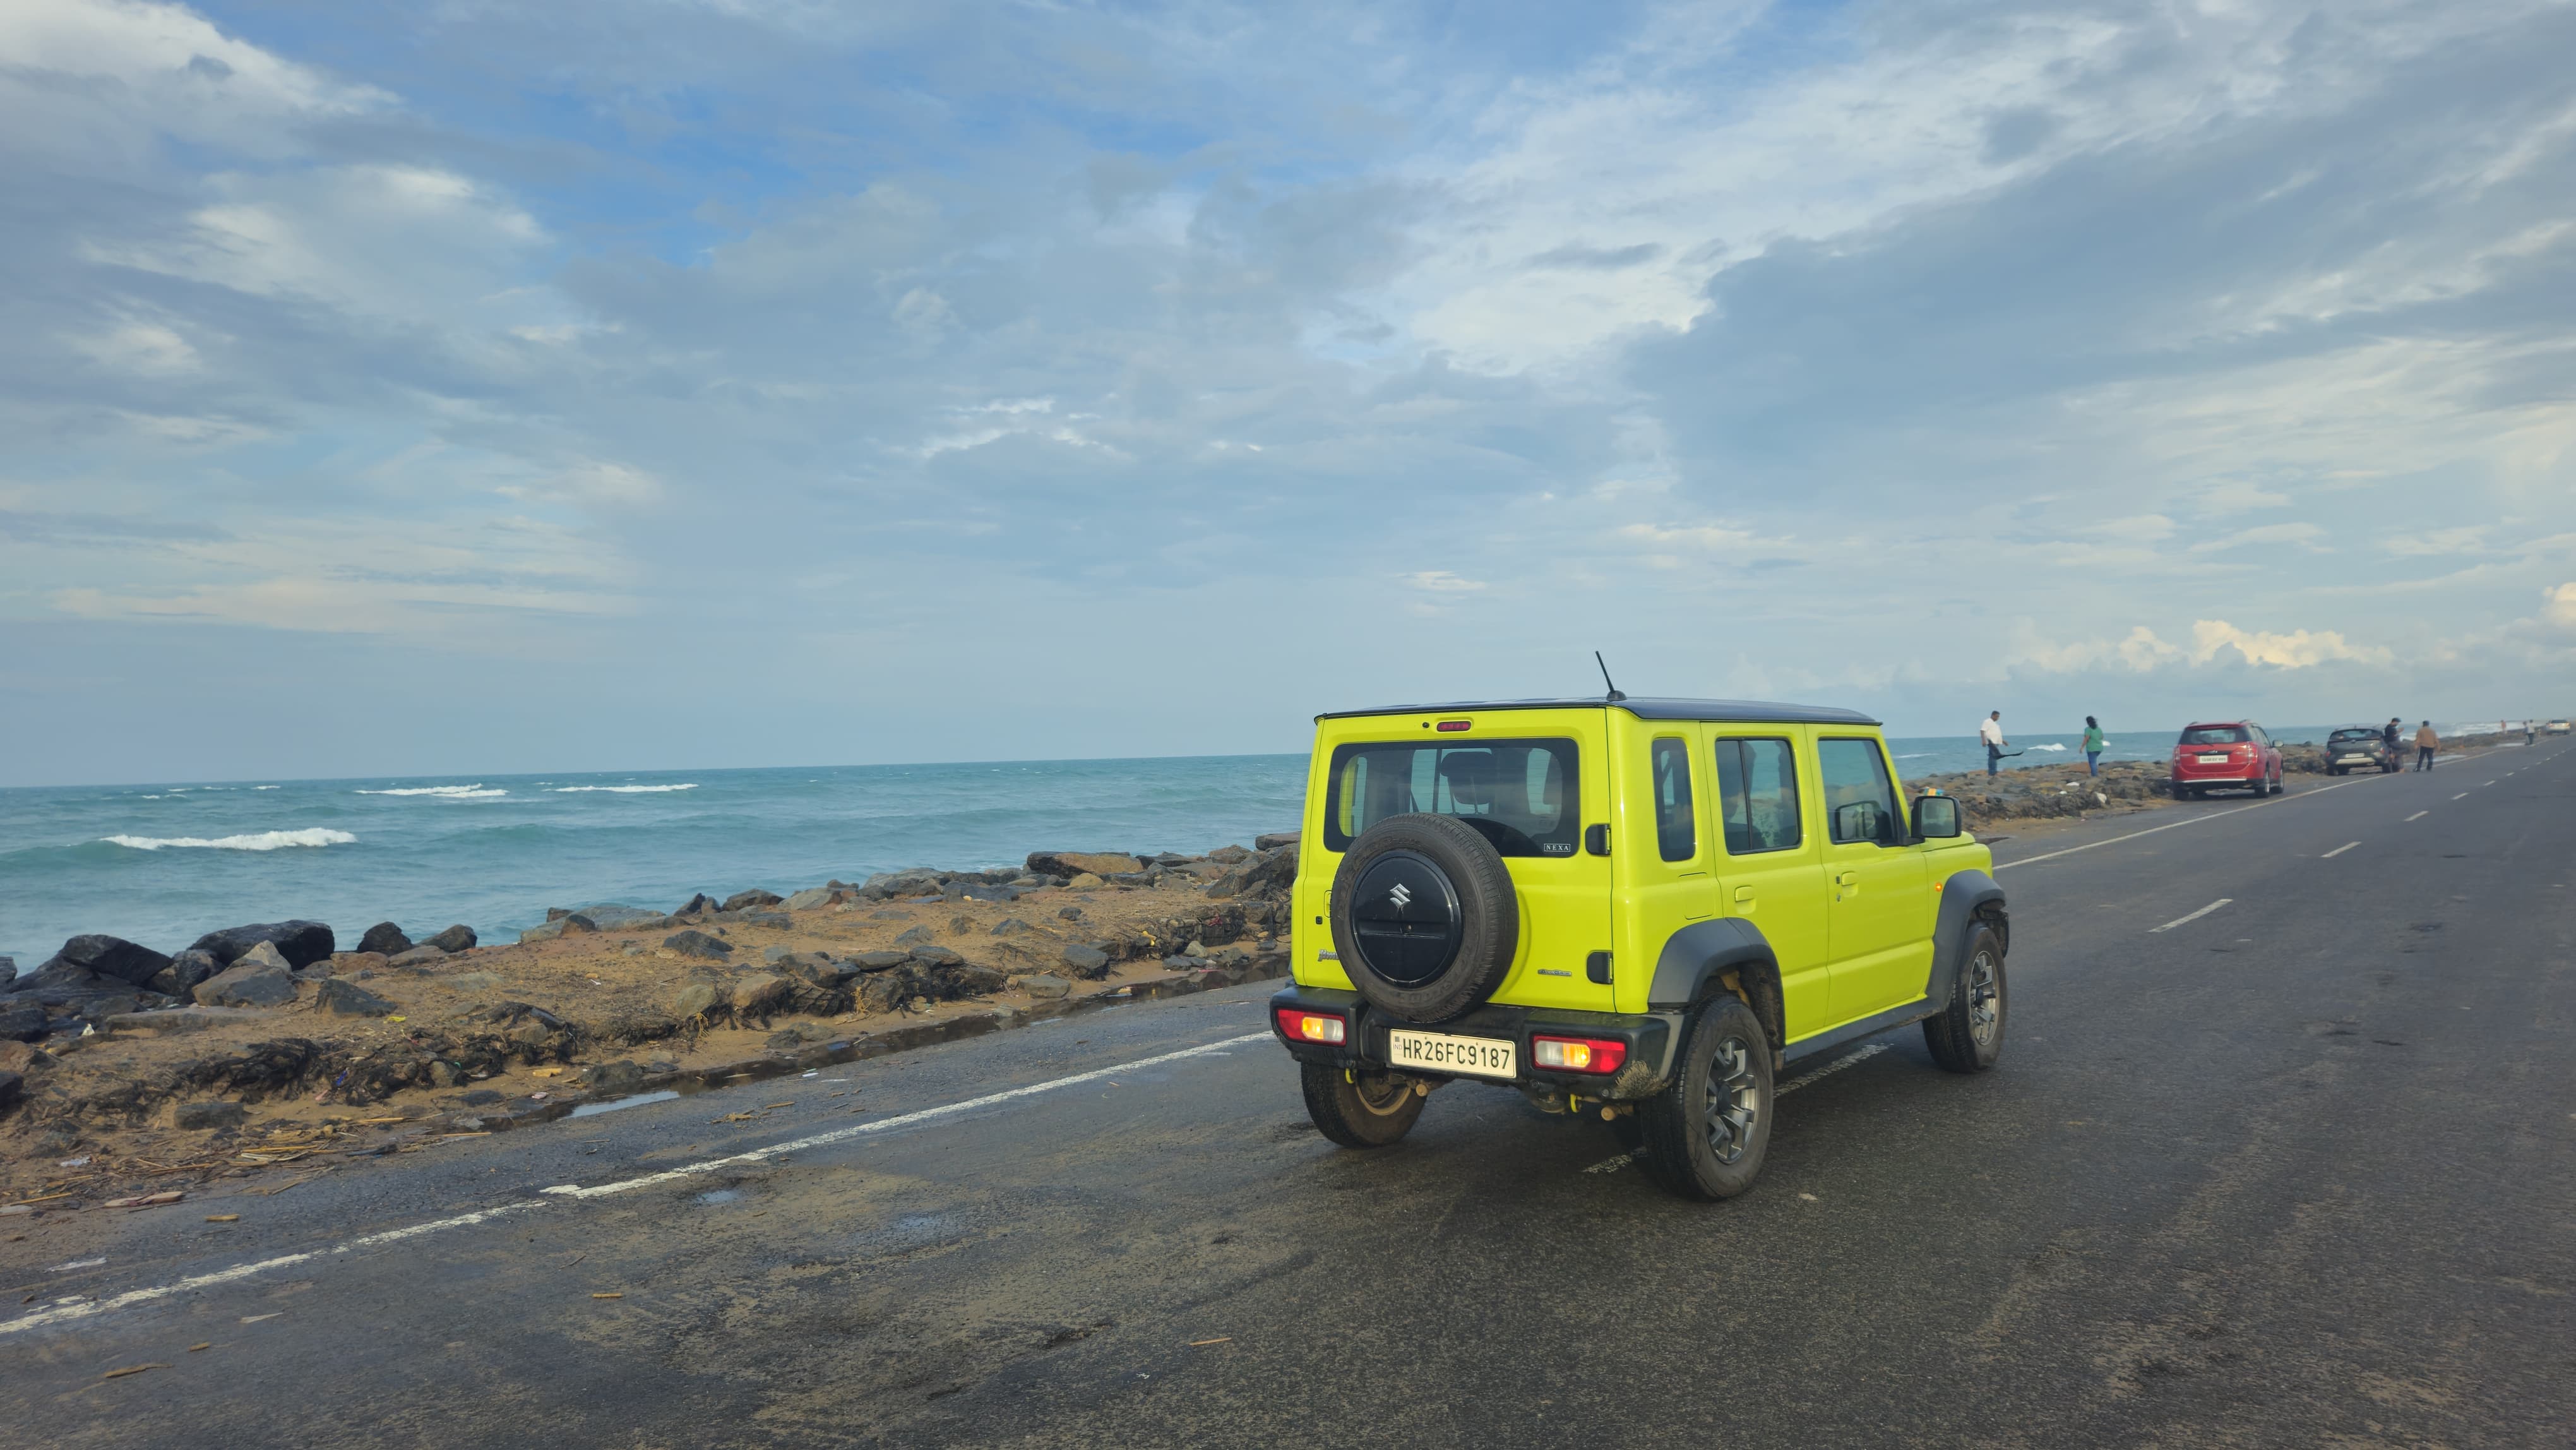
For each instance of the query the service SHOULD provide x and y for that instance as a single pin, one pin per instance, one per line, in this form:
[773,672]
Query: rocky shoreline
[266,1044]
[2065,792]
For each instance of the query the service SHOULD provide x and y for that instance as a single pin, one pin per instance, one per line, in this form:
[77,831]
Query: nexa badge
[1400,896]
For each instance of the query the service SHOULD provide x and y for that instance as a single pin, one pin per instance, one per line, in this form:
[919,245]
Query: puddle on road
[637,1101]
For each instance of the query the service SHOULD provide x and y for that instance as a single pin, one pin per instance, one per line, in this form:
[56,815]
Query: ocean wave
[263,787]
[1917,755]
[2044,747]
[624,789]
[262,841]
[474,792]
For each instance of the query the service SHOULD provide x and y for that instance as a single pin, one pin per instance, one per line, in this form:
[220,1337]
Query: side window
[1860,801]
[1757,795]
[1676,829]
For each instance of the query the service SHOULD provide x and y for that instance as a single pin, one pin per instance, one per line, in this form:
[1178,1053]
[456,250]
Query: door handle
[1744,896]
[1847,879]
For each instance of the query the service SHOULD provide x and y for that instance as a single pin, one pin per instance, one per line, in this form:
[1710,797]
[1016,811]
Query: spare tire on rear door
[1424,916]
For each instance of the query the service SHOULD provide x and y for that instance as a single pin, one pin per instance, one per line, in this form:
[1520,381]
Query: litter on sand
[608,1296]
[255,1318]
[223,1218]
[146,1200]
[118,1374]
[1220,1339]
[205,1344]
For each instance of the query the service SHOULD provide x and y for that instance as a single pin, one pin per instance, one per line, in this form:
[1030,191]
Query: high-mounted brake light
[1453,725]
[1578,1054]
[1311,1027]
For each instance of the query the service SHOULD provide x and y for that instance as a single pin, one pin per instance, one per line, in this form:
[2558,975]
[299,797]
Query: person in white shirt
[1992,732]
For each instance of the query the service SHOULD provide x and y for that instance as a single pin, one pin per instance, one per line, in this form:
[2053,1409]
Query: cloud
[2559,606]
[1441,581]
[2297,650]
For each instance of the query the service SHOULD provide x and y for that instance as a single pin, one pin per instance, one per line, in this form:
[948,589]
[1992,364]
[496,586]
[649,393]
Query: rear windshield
[2343,735]
[1519,793]
[2214,735]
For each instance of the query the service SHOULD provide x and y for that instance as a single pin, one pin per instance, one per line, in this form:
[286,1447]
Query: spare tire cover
[1424,917]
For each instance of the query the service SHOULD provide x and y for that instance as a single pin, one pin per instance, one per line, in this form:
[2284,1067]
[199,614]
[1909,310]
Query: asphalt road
[2297,1170]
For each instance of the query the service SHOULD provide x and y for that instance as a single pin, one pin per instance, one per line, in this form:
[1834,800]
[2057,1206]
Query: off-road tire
[1488,912]
[1967,1035]
[2182,792]
[1728,1054]
[2336,769]
[1362,1114]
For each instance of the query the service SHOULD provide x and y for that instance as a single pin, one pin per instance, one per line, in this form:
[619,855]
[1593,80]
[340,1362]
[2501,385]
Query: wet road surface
[2295,1169]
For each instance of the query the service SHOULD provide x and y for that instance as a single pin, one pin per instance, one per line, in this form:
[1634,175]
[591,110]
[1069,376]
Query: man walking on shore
[2426,742]
[1992,733]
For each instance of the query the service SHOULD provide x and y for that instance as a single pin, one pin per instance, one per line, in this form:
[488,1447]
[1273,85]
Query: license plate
[1439,1052]
[2213,760]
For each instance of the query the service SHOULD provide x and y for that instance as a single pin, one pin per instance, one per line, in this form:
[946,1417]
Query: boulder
[263,983]
[915,937]
[350,964]
[185,971]
[302,943]
[1087,962]
[811,897]
[1010,926]
[774,920]
[698,903]
[1228,855]
[11,1088]
[202,1117]
[761,994]
[1070,913]
[802,1035]
[8,972]
[21,1022]
[550,931]
[1076,863]
[1275,868]
[1272,840]
[385,937]
[610,916]
[986,893]
[934,955]
[743,900]
[700,1000]
[621,1076]
[458,938]
[264,955]
[965,980]
[879,961]
[343,998]
[1083,881]
[884,991]
[109,956]
[23,1057]
[695,943]
[1047,987]
[419,957]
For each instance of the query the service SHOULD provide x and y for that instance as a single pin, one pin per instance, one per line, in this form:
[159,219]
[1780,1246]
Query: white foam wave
[624,789]
[474,792]
[2047,747]
[262,841]
[263,787]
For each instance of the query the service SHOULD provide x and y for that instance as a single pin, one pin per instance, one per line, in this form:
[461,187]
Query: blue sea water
[163,864]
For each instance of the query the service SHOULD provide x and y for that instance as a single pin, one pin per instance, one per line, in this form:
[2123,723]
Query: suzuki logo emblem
[1400,896]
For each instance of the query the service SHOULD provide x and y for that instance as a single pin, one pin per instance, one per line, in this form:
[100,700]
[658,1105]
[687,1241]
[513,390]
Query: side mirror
[1936,817]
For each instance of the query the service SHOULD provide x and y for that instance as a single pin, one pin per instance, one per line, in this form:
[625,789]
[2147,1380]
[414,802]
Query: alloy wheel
[1734,1099]
[1982,997]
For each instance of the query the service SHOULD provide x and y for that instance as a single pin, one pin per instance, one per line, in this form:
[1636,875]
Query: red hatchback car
[2225,755]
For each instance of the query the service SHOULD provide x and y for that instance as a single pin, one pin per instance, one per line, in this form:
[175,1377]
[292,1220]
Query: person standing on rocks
[1992,733]
[2426,742]
[2093,743]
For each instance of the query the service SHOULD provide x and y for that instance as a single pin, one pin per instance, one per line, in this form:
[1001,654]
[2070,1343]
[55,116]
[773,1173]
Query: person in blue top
[2093,743]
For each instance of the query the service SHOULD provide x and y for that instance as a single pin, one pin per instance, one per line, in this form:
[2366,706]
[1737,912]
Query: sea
[164,863]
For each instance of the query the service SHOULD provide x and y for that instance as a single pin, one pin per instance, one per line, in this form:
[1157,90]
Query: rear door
[1661,854]
[1879,937]
[1770,869]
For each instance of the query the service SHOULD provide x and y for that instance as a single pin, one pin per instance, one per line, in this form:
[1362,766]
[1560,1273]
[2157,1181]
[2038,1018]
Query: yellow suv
[1644,908]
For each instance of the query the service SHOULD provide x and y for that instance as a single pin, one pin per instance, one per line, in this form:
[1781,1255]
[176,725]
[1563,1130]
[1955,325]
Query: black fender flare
[1967,897]
[1696,957]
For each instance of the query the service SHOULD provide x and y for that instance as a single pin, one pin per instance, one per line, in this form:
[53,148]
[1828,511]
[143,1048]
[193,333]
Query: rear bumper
[2235,772]
[1651,1039]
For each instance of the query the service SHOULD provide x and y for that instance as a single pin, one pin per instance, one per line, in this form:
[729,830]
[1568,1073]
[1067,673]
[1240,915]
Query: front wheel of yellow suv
[1705,1133]
[1360,1109]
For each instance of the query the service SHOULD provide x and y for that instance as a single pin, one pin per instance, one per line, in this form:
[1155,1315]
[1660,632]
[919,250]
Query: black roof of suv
[1760,711]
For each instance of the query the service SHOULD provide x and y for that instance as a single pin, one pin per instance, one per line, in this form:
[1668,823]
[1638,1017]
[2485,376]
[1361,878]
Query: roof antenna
[1615,696]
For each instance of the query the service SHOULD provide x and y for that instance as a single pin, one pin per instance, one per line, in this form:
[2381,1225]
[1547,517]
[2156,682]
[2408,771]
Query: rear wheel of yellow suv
[1704,1135]
[1360,1109]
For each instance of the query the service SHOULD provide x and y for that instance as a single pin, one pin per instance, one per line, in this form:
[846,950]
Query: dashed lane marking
[2464,795]
[2339,850]
[1613,1165]
[2419,815]
[69,1309]
[2197,915]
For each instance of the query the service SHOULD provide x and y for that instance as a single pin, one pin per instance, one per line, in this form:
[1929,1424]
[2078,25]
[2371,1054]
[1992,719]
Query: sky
[461,387]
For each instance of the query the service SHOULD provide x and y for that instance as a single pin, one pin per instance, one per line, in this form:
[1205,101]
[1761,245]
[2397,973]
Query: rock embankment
[2045,792]
[111,1051]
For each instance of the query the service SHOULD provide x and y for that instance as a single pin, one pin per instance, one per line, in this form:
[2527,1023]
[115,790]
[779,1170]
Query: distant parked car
[2225,755]
[2559,727]
[2358,747]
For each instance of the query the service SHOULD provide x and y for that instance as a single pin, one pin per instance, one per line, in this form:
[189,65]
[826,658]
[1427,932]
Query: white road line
[567,1193]
[2339,850]
[861,1130]
[2178,825]
[2464,795]
[2419,815]
[1613,1165]
[2195,916]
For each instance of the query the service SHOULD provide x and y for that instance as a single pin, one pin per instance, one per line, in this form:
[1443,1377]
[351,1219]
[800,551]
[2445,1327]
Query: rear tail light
[1577,1054]
[1313,1027]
